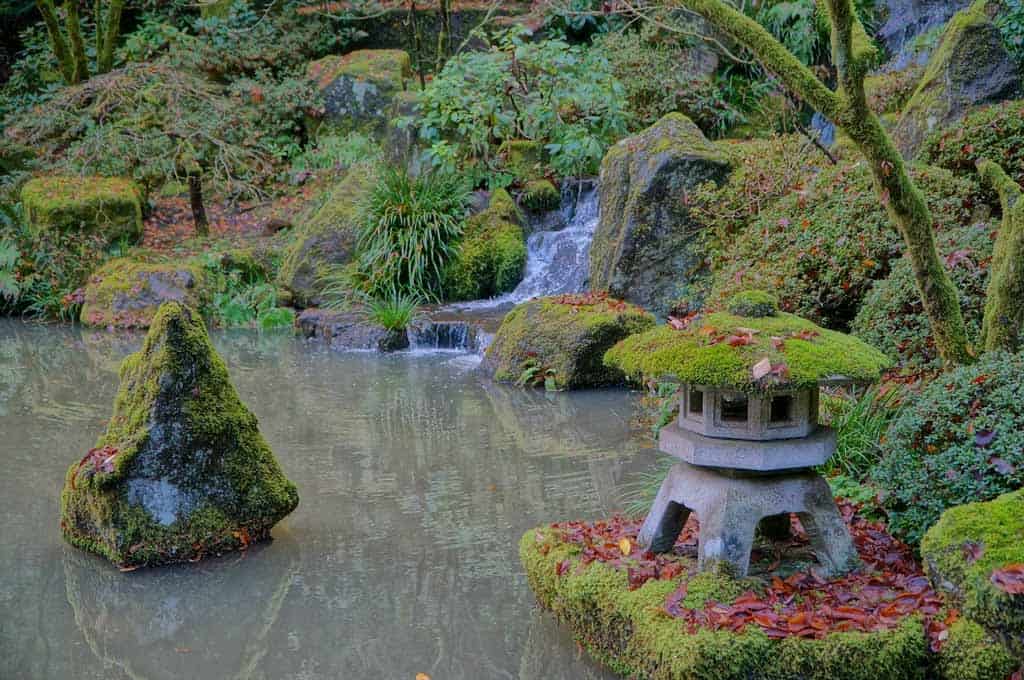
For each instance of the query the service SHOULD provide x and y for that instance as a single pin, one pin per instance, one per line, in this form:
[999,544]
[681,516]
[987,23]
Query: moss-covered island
[182,471]
[751,347]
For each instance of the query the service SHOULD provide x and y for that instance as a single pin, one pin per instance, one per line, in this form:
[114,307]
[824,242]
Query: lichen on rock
[108,206]
[359,89]
[182,471]
[647,243]
[561,340]
[127,292]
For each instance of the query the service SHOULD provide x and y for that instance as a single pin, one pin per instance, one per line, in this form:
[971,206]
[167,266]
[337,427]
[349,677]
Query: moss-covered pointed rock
[182,470]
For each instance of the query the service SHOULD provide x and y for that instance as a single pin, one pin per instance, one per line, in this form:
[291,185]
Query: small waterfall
[429,335]
[557,249]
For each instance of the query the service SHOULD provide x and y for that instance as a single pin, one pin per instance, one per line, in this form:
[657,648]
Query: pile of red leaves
[577,300]
[96,460]
[879,596]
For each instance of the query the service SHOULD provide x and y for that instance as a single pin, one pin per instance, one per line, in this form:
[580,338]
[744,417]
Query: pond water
[416,481]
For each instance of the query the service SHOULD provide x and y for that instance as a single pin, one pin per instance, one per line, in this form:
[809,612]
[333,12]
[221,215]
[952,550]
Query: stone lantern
[747,438]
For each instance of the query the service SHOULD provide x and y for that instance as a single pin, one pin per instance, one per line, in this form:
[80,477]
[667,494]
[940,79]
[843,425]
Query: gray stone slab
[755,456]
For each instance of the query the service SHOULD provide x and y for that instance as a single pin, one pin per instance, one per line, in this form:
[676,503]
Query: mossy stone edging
[109,206]
[964,548]
[182,470]
[629,631]
[563,339]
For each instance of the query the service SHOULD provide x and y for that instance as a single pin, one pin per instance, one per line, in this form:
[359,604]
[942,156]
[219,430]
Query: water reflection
[416,480]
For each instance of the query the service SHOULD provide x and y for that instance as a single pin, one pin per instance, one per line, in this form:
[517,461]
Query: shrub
[491,255]
[409,227]
[821,246]
[1011,23]
[960,440]
[892,317]
[562,96]
[333,152]
[860,423]
[995,133]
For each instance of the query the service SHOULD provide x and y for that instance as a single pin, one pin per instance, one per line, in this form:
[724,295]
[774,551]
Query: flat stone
[754,456]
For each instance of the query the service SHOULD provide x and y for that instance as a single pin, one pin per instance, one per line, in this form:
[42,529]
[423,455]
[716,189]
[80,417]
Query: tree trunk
[852,54]
[195,196]
[1004,311]
[57,43]
[81,62]
[444,35]
[107,33]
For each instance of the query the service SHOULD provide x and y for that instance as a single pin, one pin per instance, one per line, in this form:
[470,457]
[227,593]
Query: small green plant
[393,311]
[536,375]
[638,496]
[244,297]
[860,422]
[1011,23]
[335,152]
[9,287]
[409,228]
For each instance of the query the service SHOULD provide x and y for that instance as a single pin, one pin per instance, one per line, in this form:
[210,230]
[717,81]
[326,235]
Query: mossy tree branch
[74,29]
[68,43]
[108,28]
[853,54]
[57,42]
[1004,314]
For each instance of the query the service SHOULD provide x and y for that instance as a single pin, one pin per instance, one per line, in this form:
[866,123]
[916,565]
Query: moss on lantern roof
[747,353]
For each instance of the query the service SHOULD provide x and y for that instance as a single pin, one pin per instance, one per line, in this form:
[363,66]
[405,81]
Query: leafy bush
[960,440]
[9,258]
[995,133]
[409,228]
[892,317]
[821,246]
[579,20]
[332,152]
[563,96]
[1011,23]
[244,297]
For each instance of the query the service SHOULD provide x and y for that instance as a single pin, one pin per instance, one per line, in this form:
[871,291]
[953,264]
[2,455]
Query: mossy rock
[971,67]
[648,245]
[724,350]
[524,159]
[561,341]
[540,195]
[325,240]
[359,89]
[970,653]
[127,292]
[182,470]
[491,255]
[964,548]
[108,206]
[629,631]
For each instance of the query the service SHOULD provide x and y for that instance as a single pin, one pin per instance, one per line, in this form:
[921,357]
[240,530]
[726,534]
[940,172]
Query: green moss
[127,292]
[109,206]
[703,355]
[524,159]
[178,424]
[219,9]
[971,654]
[753,303]
[997,529]
[888,91]
[491,255]
[325,239]
[629,631]
[565,341]
[995,133]
[541,194]
[388,68]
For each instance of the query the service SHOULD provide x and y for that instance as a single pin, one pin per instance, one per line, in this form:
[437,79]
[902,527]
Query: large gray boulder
[971,67]
[646,241]
[360,88]
[906,21]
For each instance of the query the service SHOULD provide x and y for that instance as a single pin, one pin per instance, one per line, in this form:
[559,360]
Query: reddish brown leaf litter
[888,588]
[1009,579]
[577,300]
[96,460]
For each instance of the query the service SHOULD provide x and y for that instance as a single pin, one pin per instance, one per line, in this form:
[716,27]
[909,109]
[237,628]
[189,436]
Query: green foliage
[795,24]
[244,297]
[562,96]
[9,286]
[823,243]
[491,255]
[409,226]
[394,311]
[892,317]
[579,20]
[860,422]
[753,303]
[333,152]
[994,133]
[1011,23]
[960,440]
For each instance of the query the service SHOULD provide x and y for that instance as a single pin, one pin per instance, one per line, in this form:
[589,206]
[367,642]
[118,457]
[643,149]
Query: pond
[416,479]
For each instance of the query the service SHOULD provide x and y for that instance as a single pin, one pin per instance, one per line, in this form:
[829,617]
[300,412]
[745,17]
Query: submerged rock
[971,67]
[126,293]
[647,242]
[359,89]
[560,341]
[182,471]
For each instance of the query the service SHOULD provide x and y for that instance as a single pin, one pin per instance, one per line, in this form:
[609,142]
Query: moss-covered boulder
[127,292]
[540,195]
[524,159]
[647,244]
[491,256]
[359,89]
[965,549]
[326,239]
[559,341]
[971,653]
[761,350]
[971,67]
[182,470]
[108,206]
[629,630]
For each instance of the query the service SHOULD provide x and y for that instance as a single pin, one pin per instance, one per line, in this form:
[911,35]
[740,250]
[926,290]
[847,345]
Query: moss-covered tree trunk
[853,53]
[108,28]
[1004,302]
[195,197]
[70,48]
